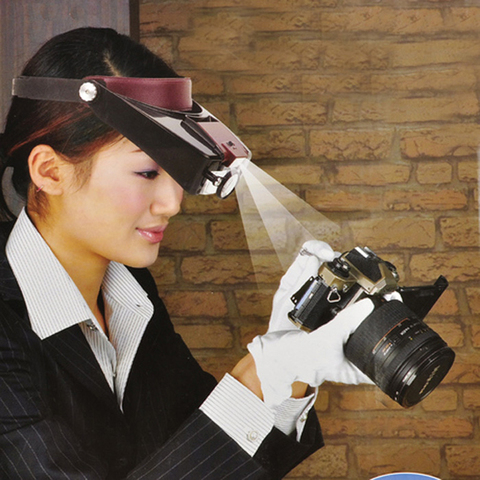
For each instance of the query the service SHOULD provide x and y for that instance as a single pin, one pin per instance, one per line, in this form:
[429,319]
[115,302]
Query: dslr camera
[400,353]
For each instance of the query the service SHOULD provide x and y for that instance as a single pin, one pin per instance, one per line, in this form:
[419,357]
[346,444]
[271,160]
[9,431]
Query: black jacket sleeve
[73,435]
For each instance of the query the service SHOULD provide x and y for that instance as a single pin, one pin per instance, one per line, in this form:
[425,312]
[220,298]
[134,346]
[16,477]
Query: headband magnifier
[159,116]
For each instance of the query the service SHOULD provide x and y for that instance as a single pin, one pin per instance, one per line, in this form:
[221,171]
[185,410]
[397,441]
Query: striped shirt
[54,303]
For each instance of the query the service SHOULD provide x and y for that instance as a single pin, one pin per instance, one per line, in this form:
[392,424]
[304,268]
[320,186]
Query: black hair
[71,129]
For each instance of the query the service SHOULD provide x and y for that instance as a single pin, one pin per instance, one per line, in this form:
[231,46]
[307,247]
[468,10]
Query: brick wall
[369,111]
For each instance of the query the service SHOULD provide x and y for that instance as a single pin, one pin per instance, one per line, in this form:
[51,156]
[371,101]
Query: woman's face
[122,210]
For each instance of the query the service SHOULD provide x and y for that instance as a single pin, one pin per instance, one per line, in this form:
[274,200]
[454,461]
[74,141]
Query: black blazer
[60,420]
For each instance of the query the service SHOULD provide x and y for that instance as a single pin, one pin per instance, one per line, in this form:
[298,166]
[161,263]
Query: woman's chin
[142,261]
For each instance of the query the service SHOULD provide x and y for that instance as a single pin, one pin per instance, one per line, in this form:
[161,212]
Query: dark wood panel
[27,24]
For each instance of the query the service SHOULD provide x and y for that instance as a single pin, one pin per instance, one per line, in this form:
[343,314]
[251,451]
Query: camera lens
[400,353]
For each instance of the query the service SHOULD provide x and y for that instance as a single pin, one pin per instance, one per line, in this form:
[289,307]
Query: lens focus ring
[400,353]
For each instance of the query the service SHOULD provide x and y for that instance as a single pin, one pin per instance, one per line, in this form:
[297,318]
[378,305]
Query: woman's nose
[168,197]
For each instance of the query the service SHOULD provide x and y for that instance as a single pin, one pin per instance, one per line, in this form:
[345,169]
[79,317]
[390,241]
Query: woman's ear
[47,169]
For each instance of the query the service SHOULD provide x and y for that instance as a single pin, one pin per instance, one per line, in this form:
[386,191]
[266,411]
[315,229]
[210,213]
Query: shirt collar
[53,301]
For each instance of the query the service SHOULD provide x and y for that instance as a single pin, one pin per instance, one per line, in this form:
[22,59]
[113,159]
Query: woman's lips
[153,235]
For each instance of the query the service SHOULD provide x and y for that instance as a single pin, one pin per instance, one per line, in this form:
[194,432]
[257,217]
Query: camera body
[393,346]
[340,283]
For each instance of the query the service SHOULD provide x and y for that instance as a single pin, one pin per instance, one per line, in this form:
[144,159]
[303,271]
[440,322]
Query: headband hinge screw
[88,91]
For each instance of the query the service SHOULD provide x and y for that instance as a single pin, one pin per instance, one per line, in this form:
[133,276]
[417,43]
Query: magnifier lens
[228,184]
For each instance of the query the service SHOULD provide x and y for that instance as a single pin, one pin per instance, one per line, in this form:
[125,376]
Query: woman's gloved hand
[306,265]
[284,357]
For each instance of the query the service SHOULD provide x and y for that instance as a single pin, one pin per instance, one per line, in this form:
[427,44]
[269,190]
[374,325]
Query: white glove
[306,265]
[393,296]
[284,357]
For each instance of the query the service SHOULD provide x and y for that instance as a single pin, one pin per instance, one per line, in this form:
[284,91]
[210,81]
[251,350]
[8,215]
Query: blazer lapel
[72,351]
[69,347]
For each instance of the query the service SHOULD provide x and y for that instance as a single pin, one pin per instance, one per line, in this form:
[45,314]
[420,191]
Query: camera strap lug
[333,296]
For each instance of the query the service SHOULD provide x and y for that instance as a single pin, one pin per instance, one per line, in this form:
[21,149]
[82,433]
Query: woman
[94,382]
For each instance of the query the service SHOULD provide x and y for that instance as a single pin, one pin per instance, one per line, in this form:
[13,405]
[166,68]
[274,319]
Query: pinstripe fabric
[235,464]
[59,419]
[292,414]
[240,413]
[127,308]
[31,259]
[250,434]
[127,311]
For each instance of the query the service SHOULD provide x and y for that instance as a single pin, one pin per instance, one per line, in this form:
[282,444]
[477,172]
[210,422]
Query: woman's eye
[149,175]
